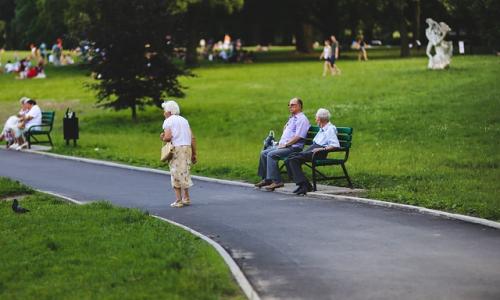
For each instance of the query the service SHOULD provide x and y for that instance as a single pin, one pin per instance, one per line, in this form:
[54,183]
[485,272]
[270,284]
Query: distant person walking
[326,55]
[335,55]
[292,141]
[362,55]
[176,130]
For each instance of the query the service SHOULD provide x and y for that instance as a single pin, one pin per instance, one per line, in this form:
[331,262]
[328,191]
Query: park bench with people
[44,129]
[344,134]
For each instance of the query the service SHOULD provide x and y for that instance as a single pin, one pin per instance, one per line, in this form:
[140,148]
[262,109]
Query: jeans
[268,163]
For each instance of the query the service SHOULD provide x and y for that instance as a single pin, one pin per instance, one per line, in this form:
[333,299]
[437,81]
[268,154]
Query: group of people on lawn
[16,126]
[176,130]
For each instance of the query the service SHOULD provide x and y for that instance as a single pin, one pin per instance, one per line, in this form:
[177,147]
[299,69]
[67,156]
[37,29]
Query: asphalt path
[292,247]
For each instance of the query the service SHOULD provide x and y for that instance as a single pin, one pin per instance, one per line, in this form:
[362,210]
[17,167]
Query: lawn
[421,137]
[97,251]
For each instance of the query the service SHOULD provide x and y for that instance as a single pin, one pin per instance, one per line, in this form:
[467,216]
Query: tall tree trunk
[192,36]
[304,38]
[403,30]
[416,23]
[133,107]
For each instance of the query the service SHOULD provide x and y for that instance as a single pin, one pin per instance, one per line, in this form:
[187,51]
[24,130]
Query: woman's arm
[166,135]
[193,148]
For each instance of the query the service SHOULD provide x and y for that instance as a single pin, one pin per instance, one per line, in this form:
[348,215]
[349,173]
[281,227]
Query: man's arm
[294,140]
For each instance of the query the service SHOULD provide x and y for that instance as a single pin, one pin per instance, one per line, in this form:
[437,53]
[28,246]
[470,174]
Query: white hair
[323,114]
[24,100]
[172,107]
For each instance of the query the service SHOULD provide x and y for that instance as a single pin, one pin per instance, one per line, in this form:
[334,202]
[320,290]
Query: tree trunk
[403,30]
[133,107]
[304,38]
[192,36]
[416,23]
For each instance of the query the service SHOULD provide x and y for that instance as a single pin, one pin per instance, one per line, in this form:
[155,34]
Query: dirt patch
[18,197]
[50,104]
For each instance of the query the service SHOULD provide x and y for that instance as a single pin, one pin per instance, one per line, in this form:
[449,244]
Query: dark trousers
[295,160]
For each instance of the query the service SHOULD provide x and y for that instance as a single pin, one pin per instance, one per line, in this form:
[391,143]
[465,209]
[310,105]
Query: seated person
[291,141]
[325,139]
[32,118]
[8,132]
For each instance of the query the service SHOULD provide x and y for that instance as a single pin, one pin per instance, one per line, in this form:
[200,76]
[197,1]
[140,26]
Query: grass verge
[96,251]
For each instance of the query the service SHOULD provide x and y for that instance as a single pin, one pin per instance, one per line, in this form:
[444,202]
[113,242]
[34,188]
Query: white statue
[444,49]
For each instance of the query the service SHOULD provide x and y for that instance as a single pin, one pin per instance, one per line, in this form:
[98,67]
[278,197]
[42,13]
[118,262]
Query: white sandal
[177,204]
[186,202]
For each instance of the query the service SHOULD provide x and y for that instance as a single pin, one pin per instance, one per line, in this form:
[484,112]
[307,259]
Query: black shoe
[302,190]
[297,189]
[309,186]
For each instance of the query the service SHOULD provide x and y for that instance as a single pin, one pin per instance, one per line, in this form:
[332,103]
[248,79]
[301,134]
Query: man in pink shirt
[291,141]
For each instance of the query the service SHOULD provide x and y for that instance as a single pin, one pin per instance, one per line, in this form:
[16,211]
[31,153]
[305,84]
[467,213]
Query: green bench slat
[328,162]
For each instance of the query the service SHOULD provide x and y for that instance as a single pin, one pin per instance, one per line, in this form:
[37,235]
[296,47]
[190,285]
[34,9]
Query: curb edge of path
[236,271]
[422,210]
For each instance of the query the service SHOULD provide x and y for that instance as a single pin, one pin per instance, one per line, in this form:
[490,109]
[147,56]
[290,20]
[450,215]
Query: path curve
[297,247]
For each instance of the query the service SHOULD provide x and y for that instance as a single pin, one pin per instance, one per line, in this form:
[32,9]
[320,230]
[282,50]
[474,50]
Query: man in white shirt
[325,139]
[32,118]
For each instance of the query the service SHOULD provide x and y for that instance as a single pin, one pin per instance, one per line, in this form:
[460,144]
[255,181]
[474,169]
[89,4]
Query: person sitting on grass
[32,118]
[291,141]
[10,127]
[325,139]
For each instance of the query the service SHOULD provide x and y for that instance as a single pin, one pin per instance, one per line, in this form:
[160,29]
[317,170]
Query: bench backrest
[344,134]
[48,118]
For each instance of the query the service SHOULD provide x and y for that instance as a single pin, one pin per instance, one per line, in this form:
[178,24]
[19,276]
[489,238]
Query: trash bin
[70,127]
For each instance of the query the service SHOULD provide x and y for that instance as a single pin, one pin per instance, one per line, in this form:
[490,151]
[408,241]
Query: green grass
[421,137]
[96,251]
[11,188]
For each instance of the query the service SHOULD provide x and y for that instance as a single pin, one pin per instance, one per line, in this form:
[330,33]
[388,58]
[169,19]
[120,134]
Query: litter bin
[70,127]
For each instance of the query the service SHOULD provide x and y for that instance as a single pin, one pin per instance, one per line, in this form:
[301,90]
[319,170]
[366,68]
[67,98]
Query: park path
[293,247]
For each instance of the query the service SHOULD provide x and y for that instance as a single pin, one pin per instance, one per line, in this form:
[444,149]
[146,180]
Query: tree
[195,15]
[133,53]
[7,12]
[36,21]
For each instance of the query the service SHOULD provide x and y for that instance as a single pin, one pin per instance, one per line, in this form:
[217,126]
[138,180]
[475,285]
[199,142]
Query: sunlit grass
[420,137]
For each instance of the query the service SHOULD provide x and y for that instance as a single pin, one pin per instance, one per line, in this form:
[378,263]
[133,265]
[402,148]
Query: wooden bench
[344,134]
[44,129]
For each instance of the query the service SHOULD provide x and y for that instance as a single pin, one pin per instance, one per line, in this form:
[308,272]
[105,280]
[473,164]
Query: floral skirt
[180,167]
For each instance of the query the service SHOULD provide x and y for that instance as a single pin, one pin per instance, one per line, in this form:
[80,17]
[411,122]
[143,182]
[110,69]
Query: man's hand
[162,135]
[317,149]
[281,146]
[193,159]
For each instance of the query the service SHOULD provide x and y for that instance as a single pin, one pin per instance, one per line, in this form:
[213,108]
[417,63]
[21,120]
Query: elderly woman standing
[177,130]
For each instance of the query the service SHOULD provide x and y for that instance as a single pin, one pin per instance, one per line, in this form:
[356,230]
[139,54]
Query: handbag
[167,152]
[269,141]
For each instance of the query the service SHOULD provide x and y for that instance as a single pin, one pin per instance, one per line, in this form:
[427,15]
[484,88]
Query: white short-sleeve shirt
[181,132]
[36,113]
[327,136]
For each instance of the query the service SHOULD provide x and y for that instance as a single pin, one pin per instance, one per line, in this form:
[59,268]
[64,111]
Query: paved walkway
[298,247]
